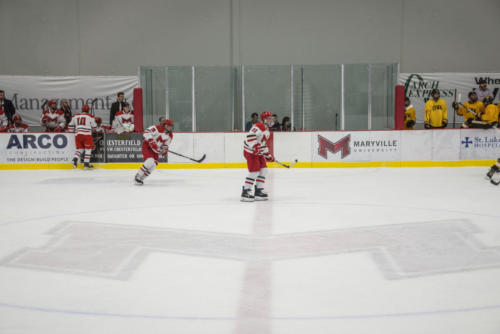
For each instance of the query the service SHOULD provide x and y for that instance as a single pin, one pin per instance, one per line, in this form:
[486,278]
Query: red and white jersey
[102,129]
[156,134]
[124,118]
[258,134]
[82,124]
[18,129]
[3,118]
[53,119]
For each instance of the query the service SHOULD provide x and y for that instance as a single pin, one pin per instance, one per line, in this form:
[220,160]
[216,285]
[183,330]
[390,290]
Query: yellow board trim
[370,164]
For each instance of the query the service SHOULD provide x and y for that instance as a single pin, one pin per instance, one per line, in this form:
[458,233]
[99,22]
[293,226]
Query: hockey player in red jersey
[157,138]
[82,124]
[4,121]
[17,125]
[101,128]
[256,153]
[53,118]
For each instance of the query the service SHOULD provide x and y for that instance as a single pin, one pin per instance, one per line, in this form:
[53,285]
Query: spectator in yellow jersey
[470,110]
[410,115]
[436,112]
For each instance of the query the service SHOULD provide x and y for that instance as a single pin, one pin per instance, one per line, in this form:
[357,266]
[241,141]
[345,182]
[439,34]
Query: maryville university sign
[343,146]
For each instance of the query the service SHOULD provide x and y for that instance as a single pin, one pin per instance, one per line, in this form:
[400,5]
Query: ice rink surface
[333,251]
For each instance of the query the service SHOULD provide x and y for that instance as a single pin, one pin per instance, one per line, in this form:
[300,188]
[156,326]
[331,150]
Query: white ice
[333,251]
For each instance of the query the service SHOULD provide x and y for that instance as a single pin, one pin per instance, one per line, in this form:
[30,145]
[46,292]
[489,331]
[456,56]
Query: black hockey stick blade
[195,160]
[201,159]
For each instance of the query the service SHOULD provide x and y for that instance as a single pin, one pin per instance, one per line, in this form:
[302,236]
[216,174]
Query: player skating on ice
[257,153]
[157,138]
[83,124]
[494,173]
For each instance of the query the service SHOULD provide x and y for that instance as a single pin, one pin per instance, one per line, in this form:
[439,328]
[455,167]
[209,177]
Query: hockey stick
[92,106]
[454,113]
[198,161]
[285,165]
[495,180]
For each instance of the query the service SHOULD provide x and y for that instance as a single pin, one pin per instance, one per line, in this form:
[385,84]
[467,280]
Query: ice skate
[260,195]
[138,180]
[87,165]
[492,171]
[75,162]
[246,196]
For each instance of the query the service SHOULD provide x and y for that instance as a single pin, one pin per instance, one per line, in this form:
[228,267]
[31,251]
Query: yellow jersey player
[436,112]
[490,115]
[410,115]
[470,110]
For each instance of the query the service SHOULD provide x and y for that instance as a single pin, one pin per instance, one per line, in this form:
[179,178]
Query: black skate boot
[494,169]
[260,195]
[246,196]
[138,180]
[75,162]
[87,165]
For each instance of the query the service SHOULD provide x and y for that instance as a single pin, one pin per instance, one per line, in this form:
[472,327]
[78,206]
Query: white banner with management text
[30,93]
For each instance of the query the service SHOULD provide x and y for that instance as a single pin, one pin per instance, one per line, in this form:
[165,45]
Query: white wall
[364,146]
[114,37]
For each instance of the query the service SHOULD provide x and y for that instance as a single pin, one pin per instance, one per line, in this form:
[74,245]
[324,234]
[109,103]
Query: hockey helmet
[85,108]
[17,117]
[51,102]
[167,122]
[435,91]
[98,120]
[265,114]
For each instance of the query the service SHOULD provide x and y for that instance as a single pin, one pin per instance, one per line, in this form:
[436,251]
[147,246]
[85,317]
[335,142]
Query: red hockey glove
[45,119]
[256,149]
[269,157]
[58,129]
[153,145]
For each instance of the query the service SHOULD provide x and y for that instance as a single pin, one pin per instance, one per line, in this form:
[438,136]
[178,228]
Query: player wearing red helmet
[17,125]
[100,128]
[157,138]
[257,153]
[82,124]
[52,118]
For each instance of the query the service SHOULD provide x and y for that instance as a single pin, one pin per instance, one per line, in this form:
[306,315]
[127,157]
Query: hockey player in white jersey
[157,138]
[124,120]
[256,153]
[83,124]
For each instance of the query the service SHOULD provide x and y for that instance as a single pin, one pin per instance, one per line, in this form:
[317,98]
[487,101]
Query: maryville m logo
[341,145]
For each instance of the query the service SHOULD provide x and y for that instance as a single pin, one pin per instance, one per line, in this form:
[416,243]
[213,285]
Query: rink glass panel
[383,77]
[214,87]
[267,88]
[226,96]
[319,94]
